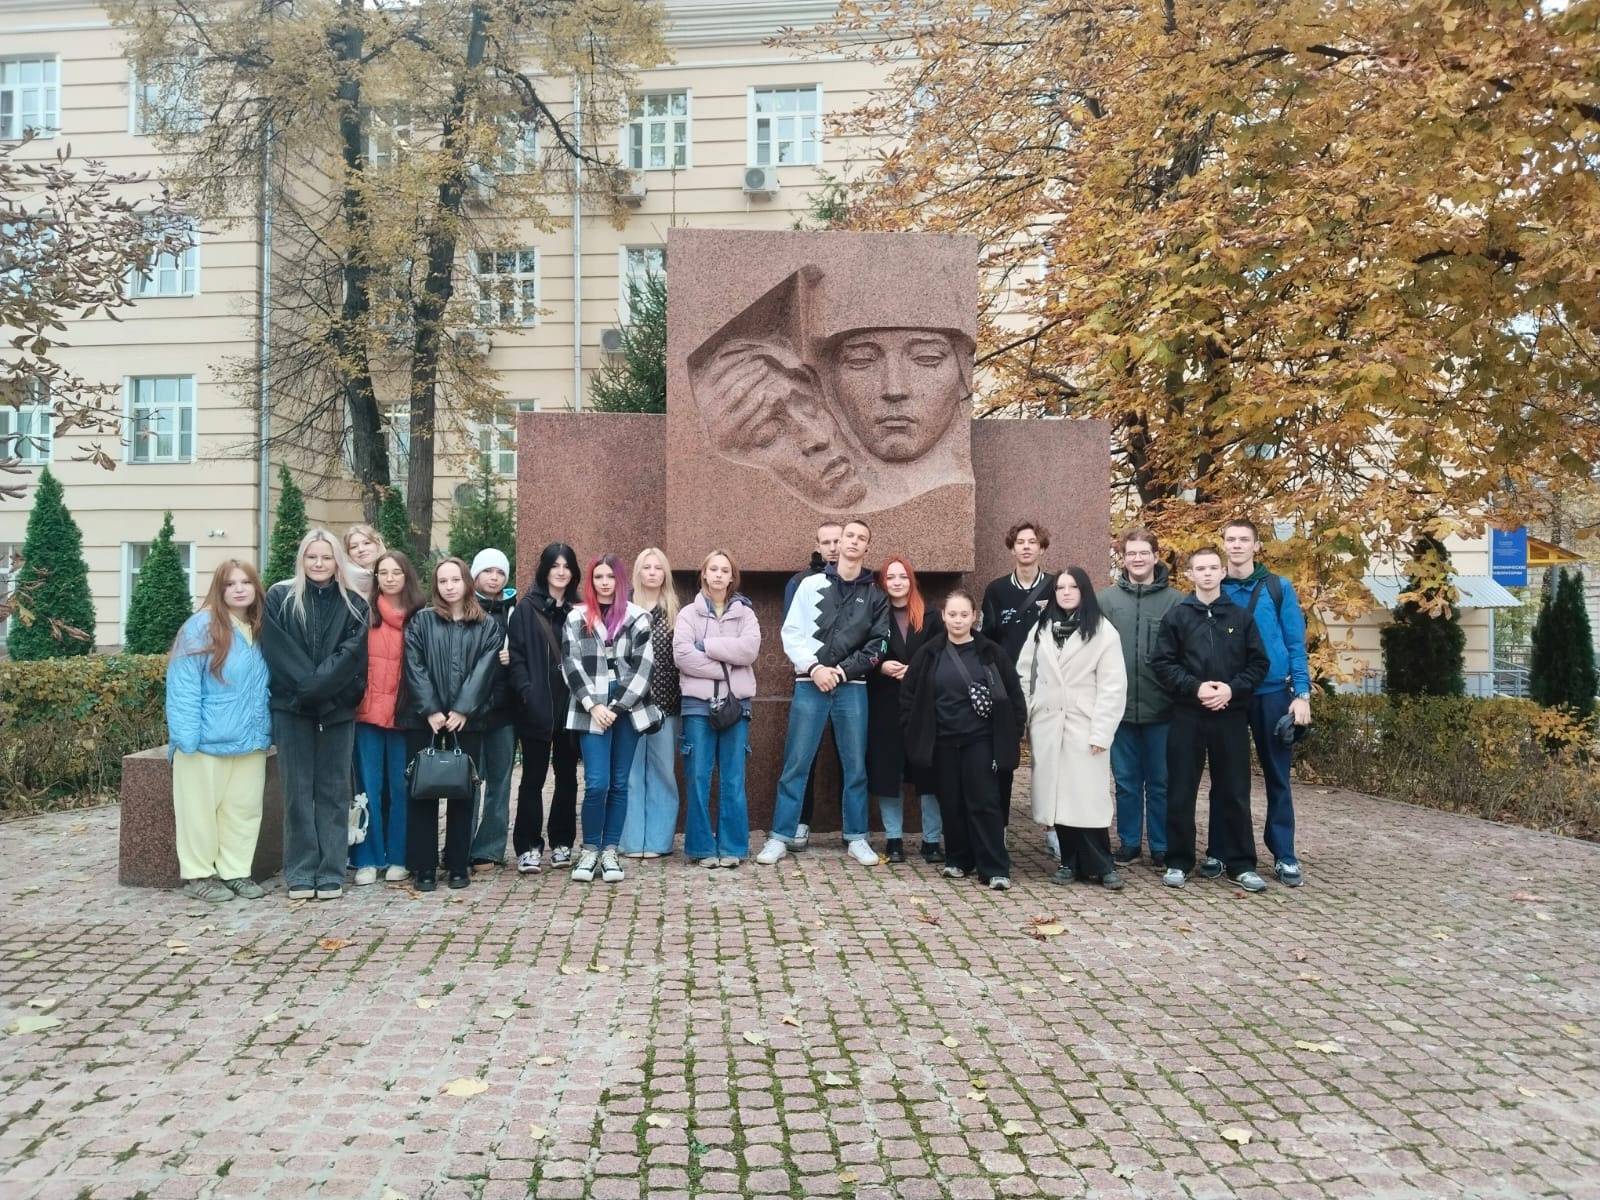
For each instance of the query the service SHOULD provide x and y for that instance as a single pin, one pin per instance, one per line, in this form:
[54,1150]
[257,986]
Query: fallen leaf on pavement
[1012,1129]
[31,1023]
[1046,929]
[1528,1092]
[425,1003]
[1572,1031]
[545,1060]
[389,1193]
[807,948]
[1440,935]
[657,1121]
[1064,978]
[1309,978]
[1026,990]
[270,1017]
[599,968]
[931,918]
[502,1013]
[754,1038]
[1527,897]
[949,1042]
[790,1019]
[465,1087]
[1122,1171]
[178,946]
[1542,916]
[832,1080]
[1239,1137]
[975,1094]
[538,1132]
[1300,956]
[848,1177]
[44,1003]
[1320,1047]
[332,943]
[566,969]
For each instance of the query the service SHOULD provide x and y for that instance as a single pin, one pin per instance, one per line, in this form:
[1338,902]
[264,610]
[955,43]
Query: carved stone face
[767,411]
[899,388]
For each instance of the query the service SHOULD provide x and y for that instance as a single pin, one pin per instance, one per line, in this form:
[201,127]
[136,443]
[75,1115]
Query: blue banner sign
[1508,556]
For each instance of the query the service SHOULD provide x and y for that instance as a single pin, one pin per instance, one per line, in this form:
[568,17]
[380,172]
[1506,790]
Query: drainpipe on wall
[577,247]
[263,348]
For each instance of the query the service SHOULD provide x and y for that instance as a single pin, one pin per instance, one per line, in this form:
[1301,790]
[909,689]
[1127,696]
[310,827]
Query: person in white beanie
[491,574]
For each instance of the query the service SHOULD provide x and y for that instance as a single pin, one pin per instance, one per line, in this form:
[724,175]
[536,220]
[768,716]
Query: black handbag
[443,772]
[725,711]
[982,698]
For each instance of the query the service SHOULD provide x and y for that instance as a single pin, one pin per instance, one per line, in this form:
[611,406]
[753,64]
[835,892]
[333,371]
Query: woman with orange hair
[911,624]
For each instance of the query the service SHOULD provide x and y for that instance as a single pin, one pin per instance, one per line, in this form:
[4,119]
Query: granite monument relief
[813,375]
[819,375]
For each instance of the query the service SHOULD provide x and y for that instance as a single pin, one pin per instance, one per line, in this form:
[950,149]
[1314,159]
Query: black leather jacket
[449,667]
[502,697]
[316,657]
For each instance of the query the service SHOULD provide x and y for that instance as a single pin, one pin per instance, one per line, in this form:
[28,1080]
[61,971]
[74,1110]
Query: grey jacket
[1135,611]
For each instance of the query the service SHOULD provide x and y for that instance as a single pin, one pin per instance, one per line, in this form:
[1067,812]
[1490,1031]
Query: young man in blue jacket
[1286,690]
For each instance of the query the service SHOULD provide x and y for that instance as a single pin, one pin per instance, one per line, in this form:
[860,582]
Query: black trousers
[422,816]
[970,802]
[314,764]
[1003,779]
[537,755]
[1222,740]
[1086,851]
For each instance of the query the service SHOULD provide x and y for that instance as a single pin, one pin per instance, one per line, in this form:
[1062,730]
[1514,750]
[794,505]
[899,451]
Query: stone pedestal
[147,852]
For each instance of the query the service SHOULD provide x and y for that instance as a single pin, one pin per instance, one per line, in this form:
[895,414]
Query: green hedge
[65,724]
[1506,760]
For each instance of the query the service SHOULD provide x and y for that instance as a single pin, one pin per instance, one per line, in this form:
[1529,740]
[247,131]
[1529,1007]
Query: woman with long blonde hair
[653,781]
[314,637]
[219,729]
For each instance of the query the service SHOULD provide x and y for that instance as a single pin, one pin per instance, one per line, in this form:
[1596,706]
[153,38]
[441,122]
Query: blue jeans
[381,774]
[653,793]
[1266,710]
[1139,766]
[809,713]
[607,763]
[499,753]
[724,749]
[893,809]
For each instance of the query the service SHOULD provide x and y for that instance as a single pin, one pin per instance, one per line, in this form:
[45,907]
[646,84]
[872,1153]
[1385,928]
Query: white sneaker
[1051,840]
[728,861]
[801,838]
[999,883]
[584,871]
[396,874]
[862,851]
[636,854]
[366,875]
[560,856]
[772,852]
[530,862]
[711,863]
[610,868]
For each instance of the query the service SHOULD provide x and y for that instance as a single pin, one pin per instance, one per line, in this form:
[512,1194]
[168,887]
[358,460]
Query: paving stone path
[1421,1020]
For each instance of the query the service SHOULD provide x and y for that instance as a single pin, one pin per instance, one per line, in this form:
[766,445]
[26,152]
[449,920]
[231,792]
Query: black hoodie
[536,677]
[1199,642]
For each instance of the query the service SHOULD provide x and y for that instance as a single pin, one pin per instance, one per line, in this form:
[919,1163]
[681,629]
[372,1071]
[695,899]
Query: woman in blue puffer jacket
[219,728]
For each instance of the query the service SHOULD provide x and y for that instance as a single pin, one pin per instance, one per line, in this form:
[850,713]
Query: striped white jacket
[583,662]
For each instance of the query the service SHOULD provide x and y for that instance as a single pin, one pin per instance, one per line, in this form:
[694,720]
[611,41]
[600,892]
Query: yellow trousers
[216,804]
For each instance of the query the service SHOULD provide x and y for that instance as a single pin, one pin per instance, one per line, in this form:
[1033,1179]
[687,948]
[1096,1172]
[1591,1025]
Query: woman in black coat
[537,679]
[967,747]
[452,650]
[911,625]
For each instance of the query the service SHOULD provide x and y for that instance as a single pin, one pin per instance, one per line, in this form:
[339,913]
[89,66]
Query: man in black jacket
[1209,658]
[835,633]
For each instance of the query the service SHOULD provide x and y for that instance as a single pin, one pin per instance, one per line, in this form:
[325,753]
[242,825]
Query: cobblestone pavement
[1420,1020]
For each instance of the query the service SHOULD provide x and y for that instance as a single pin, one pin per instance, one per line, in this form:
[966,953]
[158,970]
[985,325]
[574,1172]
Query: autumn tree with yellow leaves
[1334,264]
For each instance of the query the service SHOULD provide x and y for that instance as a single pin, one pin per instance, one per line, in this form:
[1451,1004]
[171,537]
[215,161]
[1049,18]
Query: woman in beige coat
[1073,677]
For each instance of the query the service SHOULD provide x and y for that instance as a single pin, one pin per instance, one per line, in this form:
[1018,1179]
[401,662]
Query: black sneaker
[424,882]
[1125,855]
[457,882]
[1209,867]
[894,849]
[1158,861]
[1111,881]
[933,852]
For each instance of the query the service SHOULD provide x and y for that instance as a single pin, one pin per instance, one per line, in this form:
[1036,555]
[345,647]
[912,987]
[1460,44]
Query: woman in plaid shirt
[606,656]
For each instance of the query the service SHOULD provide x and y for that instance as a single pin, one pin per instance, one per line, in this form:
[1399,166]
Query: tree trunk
[438,287]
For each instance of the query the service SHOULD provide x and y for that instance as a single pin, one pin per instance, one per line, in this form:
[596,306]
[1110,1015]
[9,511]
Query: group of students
[352,668]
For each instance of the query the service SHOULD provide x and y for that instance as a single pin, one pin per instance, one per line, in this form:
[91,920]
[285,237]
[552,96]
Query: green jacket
[1135,611]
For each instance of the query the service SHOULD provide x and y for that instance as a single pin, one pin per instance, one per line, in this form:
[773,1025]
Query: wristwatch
[1302,695]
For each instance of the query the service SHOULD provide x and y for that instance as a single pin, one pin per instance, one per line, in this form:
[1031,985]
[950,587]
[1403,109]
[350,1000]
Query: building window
[519,147]
[10,564]
[26,430]
[638,264]
[387,137]
[783,125]
[658,131]
[164,105]
[508,286]
[172,274]
[397,428]
[134,556]
[30,96]
[161,418]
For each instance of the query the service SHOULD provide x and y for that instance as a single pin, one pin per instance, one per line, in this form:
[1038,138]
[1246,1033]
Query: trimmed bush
[54,612]
[1423,654]
[394,526]
[1503,759]
[1561,669]
[66,723]
[161,602]
[487,521]
[288,527]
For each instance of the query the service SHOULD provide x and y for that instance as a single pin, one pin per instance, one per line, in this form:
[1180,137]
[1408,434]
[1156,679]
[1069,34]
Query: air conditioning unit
[761,181]
[632,189]
[611,341]
[471,341]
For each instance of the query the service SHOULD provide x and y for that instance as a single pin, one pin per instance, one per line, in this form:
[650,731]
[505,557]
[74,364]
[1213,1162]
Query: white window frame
[752,159]
[186,401]
[50,102]
[7,549]
[625,274]
[504,429]
[397,439]
[31,442]
[641,124]
[525,311]
[146,285]
[387,137]
[129,577]
[144,98]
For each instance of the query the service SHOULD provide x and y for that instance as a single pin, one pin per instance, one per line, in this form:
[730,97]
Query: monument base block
[147,851]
